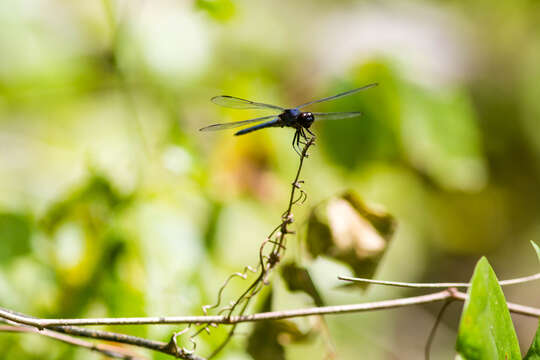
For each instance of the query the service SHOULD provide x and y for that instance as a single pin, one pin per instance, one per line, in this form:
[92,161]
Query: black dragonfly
[293,117]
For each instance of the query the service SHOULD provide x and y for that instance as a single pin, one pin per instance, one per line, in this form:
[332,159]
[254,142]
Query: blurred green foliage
[221,10]
[15,234]
[113,204]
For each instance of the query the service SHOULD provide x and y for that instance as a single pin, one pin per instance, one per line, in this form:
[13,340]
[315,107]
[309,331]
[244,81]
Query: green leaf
[221,10]
[345,229]
[441,137]
[211,228]
[486,330]
[537,248]
[375,137]
[15,233]
[534,350]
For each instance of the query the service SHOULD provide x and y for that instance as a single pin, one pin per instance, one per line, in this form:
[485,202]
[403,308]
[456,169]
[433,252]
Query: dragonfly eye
[306,119]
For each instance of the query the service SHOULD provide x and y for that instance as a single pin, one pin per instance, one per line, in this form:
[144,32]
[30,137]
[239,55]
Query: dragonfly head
[306,119]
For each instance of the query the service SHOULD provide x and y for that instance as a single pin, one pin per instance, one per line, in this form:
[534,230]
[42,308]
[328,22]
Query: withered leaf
[345,229]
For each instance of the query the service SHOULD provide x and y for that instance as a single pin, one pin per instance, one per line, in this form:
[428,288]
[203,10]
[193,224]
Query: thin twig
[169,348]
[276,253]
[17,318]
[222,319]
[105,349]
[431,336]
[273,315]
[513,307]
[520,280]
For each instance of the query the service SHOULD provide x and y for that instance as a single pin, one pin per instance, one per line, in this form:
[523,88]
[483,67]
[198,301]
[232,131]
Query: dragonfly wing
[338,95]
[336,115]
[237,103]
[232,125]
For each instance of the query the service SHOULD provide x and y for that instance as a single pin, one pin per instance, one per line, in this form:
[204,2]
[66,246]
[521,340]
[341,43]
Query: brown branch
[513,307]
[105,349]
[170,348]
[230,320]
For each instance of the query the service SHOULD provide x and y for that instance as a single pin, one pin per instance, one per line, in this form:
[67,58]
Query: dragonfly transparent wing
[336,115]
[338,95]
[235,124]
[237,103]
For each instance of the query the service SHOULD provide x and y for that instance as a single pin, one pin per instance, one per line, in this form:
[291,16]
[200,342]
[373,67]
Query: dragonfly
[294,118]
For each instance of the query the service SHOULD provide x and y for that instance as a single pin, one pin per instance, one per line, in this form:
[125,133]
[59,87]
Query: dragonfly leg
[310,133]
[303,137]
[294,141]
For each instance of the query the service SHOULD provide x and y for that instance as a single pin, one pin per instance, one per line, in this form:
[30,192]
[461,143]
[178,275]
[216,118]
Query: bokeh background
[112,203]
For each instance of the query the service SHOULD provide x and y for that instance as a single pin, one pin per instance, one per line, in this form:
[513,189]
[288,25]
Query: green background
[112,203]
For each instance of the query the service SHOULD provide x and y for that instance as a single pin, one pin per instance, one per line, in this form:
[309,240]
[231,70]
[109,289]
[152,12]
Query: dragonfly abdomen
[271,123]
